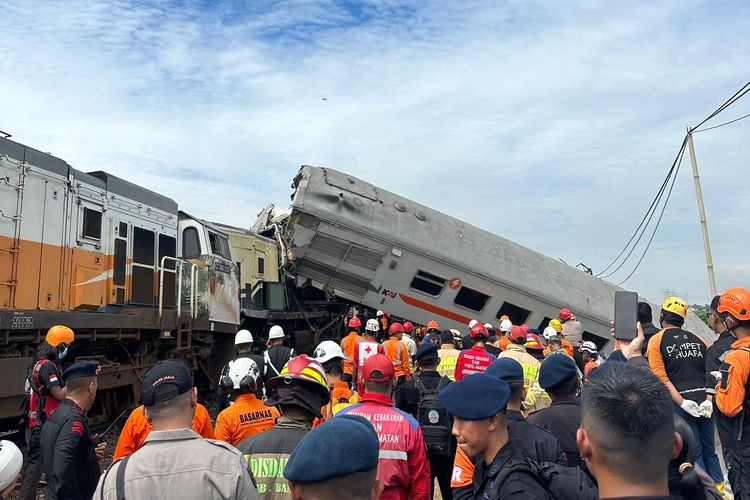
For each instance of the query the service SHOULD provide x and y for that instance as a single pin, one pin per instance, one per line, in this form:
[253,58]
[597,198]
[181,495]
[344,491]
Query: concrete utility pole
[702,212]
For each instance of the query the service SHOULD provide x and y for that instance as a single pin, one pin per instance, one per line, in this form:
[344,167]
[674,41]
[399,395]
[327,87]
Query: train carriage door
[168,248]
[89,269]
[119,262]
[143,276]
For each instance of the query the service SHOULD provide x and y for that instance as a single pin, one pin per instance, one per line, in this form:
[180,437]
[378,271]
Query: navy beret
[555,369]
[476,397]
[341,446]
[426,349]
[506,369]
[81,369]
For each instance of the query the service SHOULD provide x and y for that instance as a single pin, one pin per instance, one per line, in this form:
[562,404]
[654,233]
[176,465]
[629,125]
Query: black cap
[81,369]
[166,380]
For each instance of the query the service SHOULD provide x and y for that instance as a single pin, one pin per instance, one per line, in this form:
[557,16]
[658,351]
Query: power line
[737,95]
[721,124]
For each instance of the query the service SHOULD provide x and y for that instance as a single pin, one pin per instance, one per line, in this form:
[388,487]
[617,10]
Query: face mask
[62,353]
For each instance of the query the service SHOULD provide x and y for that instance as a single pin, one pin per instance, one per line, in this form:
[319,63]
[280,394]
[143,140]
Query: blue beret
[341,446]
[81,369]
[476,397]
[426,349]
[556,369]
[506,369]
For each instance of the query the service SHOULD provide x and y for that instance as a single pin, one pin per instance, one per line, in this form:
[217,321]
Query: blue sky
[549,123]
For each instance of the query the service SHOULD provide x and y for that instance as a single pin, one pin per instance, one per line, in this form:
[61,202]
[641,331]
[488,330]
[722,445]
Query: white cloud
[552,126]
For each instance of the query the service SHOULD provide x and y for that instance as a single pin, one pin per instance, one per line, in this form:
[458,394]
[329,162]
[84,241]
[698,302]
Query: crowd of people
[396,411]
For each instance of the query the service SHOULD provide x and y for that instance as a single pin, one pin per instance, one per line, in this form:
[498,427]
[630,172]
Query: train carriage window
[261,265]
[219,244]
[471,299]
[143,246]
[544,324]
[191,244]
[120,262]
[518,315]
[92,223]
[428,283]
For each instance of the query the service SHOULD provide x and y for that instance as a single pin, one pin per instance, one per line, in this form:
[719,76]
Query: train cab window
[428,283]
[168,248]
[261,265]
[544,324]
[143,246]
[471,299]
[219,244]
[92,223]
[518,315]
[191,243]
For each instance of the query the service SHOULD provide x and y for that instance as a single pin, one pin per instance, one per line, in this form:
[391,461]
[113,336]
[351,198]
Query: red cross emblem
[368,349]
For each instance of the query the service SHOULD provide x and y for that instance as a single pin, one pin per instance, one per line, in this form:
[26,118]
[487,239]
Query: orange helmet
[59,334]
[736,302]
[433,325]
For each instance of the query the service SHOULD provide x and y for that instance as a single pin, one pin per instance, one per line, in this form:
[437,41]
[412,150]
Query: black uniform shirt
[407,398]
[562,418]
[519,485]
[533,442]
[68,454]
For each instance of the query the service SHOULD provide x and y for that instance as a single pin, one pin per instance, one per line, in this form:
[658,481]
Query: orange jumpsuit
[463,470]
[348,345]
[136,429]
[566,346]
[246,417]
[396,351]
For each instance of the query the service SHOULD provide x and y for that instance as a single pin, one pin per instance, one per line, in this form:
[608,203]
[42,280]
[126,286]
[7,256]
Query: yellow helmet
[59,334]
[675,305]
[555,323]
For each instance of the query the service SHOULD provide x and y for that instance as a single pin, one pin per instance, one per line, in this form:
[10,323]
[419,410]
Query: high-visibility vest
[348,346]
[395,356]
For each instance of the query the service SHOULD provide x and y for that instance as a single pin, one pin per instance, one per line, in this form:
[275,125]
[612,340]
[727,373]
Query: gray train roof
[100,179]
[349,201]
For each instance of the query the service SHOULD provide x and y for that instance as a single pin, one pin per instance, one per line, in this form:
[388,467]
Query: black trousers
[442,469]
[738,470]
[33,472]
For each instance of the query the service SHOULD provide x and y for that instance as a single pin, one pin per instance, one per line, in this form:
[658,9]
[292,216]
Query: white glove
[692,408]
[716,375]
[707,409]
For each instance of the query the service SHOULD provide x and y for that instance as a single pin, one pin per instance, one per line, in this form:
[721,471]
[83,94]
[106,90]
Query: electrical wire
[737,95]
[721,124]
[663,208]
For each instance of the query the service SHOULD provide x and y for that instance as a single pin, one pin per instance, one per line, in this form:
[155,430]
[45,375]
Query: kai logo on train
[389,293]
[455,283]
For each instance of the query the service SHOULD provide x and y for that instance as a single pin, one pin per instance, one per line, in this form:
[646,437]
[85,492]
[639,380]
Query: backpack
[561,482]
[434,420]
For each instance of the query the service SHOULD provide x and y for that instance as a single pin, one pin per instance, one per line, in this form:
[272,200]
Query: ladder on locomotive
[15,248]
[184,324]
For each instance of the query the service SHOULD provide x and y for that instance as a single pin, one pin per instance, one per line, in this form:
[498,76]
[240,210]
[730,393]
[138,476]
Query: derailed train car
[137,279]
[359,242]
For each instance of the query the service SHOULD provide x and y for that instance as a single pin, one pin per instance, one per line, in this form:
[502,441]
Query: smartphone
[626,315]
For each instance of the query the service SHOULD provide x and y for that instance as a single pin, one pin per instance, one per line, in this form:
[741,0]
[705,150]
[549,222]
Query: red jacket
[403,465]
[474,360]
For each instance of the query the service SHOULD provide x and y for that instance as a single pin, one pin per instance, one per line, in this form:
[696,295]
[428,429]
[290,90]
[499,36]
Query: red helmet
[533,341]
[479,331]
[525,328]
[395,328]
[431,325]
[565,314]
[355,322]
[518,333]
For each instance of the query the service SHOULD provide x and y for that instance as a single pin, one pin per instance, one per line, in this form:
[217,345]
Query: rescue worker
[402,466]
[44,381]
[396,351]
[534,345]
[646,318]
[276,356]
[533,442]
[478,405]
[137,428]
[11,461]
[384,323]
[441,447]
[566,346]
[248,415]
[368,347]
[349,345]
[503,341]
[571,328]
[301,392]
[448,355]
[349,464]
[476,359]
[174,461]
[678,358]
[243,343]
[408,340]
[558,375]
[536,398]
[590,356]
[70,454]
[733,391]
[492,340]
[331,357]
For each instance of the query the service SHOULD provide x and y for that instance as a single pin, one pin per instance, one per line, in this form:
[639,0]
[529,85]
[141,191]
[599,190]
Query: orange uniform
[566,346]
[341,397]
[731,389]
[349,345]
[463,470]
[502,343]
[246,417]
[136,430]
[590,366]
[396,351]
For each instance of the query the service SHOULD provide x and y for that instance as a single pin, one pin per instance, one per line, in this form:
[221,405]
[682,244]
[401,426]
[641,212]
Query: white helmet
[328,350]
[379,313]
[489,326]
[549,332]
[11,460]
[472,323]
[372,325]
[243,337]
[506,325]
[276,332]
[244,373]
